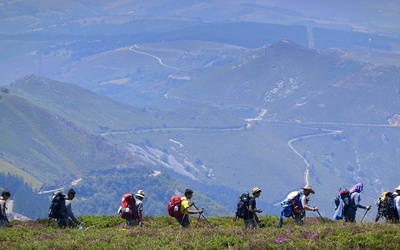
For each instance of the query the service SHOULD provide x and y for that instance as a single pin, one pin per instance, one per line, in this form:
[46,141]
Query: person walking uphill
[138,221]
[251,218]
[185,208]
[350,214]
[299,217]
[69,217]
[4,222]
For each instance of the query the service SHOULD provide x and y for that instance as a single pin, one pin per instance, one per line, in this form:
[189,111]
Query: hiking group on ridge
[294,206]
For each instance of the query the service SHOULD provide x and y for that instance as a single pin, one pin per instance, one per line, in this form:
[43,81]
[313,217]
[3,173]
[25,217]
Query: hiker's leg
[135,223]
[184,221]
[351,215]
[128,223]
[299,219]
[247,223]
[70,223]
[61,223]
[253,224]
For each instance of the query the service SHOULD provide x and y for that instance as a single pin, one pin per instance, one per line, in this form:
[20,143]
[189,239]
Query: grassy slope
[9,168]
[94,112]
[101,114]
[274,77]
[215,233]
[46,149]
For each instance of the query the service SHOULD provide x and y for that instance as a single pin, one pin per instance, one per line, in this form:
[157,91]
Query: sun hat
[309,188]
[140,193]
[398,188]
[255,190]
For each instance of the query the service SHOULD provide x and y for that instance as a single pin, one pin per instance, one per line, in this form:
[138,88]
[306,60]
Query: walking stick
[197,222]
[322,218]
[366,211]
[320,215]
[203,216]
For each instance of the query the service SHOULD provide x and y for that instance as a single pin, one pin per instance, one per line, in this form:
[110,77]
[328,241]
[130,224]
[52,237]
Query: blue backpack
[291,206]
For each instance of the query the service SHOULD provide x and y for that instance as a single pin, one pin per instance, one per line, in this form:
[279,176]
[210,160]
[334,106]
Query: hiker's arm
[191,211]
[70,213]
[140,214]
[252,206]
[357,200]
[304,202]
[254,210]
[140,217]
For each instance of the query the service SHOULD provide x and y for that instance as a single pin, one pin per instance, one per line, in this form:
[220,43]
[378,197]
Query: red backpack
[127,209]
[174,206]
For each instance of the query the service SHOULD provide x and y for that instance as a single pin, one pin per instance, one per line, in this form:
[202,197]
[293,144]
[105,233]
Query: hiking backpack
[343,203]
[242,207]
[343,195]
[57,203]
[174,206]
[386,207]
[292,204]
[128,210]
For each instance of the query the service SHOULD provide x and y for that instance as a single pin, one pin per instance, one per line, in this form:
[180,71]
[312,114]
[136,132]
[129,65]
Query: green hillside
[100,114]
[29,179]
[45,145]
[274,77]
[45,148]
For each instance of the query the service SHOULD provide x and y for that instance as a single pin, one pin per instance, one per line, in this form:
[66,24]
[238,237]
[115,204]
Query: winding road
[134,49]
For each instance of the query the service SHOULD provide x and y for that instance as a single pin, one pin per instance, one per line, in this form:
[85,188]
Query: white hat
[140,193]
[398,188]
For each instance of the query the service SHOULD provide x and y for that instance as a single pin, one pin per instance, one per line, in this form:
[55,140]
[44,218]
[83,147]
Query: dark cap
[71,192]
[188,191]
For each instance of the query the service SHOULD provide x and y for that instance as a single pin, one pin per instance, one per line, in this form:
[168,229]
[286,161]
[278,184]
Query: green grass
[9,168]
[108,232]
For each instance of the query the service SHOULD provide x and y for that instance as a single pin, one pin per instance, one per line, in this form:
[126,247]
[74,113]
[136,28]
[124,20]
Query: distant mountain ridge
[286,79]
[321,119]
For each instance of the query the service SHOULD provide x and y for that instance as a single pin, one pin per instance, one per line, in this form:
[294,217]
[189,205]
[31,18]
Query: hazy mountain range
[214,95]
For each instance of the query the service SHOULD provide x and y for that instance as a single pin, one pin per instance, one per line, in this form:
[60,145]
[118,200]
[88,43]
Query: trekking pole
[366,211]
[322,218]
[203,216]
[197,222]
[320,215]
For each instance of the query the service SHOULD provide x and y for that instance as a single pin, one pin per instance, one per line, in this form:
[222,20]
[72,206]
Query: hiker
[396,201]
[350,214]
[299,216]
[4,222]
[250,218]
[185,209]
[66,210]
[137,220]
